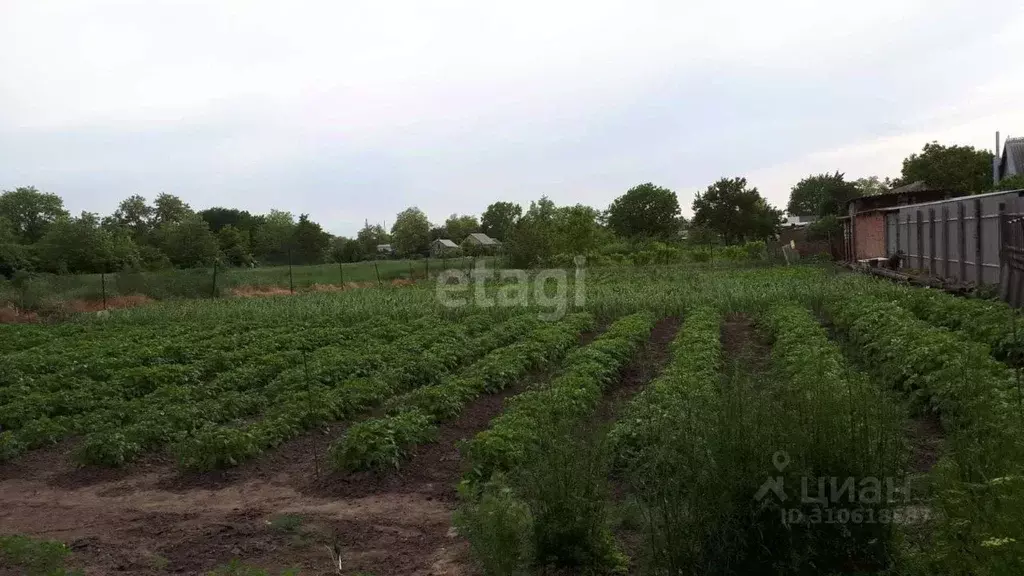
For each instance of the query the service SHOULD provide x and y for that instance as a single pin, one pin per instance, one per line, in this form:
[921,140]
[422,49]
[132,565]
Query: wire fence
[35,291]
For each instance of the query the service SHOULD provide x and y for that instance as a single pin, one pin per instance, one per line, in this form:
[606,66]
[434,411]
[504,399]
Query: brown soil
[11,315]
[926,437]
[247,291]
[130,301]
[149,519]
[250,291]
[742,342]
[648,363]
[645,366]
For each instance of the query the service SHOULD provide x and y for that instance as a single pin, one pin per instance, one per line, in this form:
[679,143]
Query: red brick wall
[870,232]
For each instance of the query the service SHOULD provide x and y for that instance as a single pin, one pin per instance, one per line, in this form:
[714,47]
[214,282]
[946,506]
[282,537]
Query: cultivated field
[671,420]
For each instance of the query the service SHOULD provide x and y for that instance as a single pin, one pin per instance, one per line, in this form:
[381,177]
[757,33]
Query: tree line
[38,234]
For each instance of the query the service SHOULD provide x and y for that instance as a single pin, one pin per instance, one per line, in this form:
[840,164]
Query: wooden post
[977,242]
[103,287]
[341,273]
[945,242]
[961,238]
[213,290]
[377,270]
[931,242]
[412,274]
[291,277]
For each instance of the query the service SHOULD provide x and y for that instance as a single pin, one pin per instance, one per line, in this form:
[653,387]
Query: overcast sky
[355,110]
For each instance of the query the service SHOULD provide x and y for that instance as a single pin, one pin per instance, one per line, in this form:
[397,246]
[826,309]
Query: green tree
[532,238]
[458,227]
[411,232]
[189,243]
[575,229]
[698,235]
[310,243]
[958,168]
[820,195]
[345,249]
[499,220]
[645,211]
[80,245]
[136,216]
[735,212]
[370,236]
[872,186]
[272,237]
[1012,183]
[7,233]
[218,218]
[169,209]
[234,245]
[30,212]
[438,232]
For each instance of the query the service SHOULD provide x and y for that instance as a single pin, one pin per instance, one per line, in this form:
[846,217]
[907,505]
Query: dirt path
[648,363]
[743,346]
[274,512]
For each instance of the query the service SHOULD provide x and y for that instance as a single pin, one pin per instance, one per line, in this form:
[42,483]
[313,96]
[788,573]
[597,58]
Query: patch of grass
[237,568]
[35,557]
[158,562]
[286,523]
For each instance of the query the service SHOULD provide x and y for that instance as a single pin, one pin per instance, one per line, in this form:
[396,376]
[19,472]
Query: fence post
[931,242]
[977,243]
[412,273]
[945,241]
[428,268]
[961,237]
[213,290]
[1004,265]
[103,288]
[377,270]
[920,240]
[897,233]
[341,273]
[291,277]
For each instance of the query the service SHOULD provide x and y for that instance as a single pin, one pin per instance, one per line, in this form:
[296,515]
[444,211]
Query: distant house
[385,249]
[798,221]
[1011,163]
[869,218]
[443,247]
[482,240]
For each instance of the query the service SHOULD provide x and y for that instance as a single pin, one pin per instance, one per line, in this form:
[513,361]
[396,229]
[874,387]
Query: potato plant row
[984,321]
[127,416]
[82,405]
[570,397]
[382,443]
[419,359]
[979,495]
[843,423]
[685,391]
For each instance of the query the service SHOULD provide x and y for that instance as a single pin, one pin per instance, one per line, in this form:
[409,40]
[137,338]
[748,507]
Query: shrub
[499,528]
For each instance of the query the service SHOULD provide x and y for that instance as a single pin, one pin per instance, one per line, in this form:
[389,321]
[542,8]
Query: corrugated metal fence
[960,239]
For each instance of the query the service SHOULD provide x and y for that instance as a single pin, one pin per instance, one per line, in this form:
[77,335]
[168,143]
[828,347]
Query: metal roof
[484,239]
[446,243]
[1012,161]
